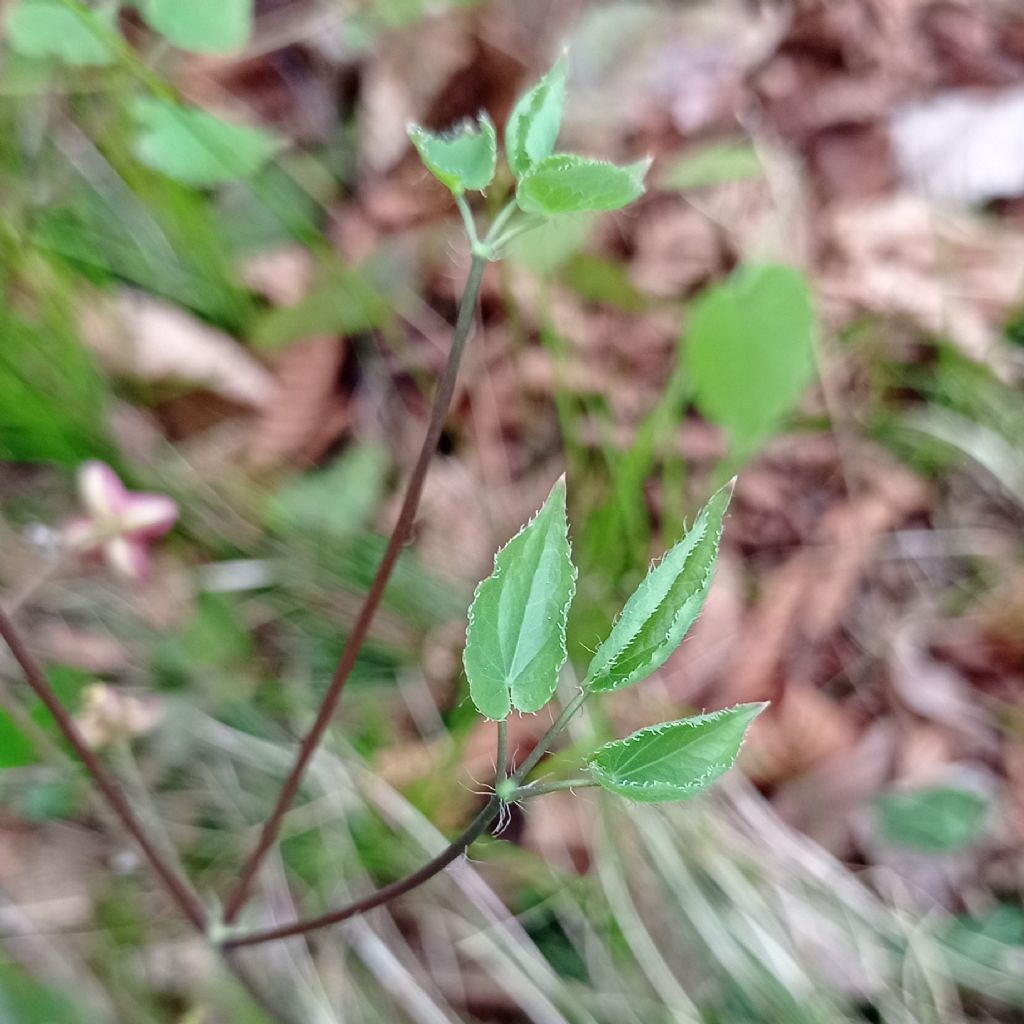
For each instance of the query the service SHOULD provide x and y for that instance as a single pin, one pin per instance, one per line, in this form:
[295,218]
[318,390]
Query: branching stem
[458,846]
[399,536]
[450,853]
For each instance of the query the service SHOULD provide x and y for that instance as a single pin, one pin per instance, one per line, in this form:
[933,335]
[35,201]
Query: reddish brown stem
[399,535]
[388,893]
[175,884]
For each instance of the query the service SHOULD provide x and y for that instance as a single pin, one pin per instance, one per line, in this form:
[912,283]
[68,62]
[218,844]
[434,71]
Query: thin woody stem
[448,855]
[175,883]
[399,536]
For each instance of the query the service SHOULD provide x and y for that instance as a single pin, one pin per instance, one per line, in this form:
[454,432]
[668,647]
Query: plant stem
[390,892]
[557,727]
[500,221]
[467,222]
[501,758]
[399,535]
[176,885]
[434,867]
[540,788]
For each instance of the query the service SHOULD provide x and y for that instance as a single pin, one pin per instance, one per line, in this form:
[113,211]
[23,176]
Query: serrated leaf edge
[537,94]
[561,161]
[563,622]
[647,583]
[482,125]
[713,771]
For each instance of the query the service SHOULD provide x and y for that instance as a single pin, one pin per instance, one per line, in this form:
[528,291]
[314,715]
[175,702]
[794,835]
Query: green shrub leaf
[750,351]
[515,643]
[205,26]
[665,605]
[463,159]
[936,820]
[49,28]
[197,148]
[575,184]
[533,125]
[674,760]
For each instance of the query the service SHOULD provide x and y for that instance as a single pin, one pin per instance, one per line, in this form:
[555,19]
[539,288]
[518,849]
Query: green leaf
[533,125]
[712,165]
[575,184]
[665,605]
[674,760]
[49,28]
[346,303]
[205,26]
[197,148]
[462,159]
[749,351]
[515,643]
[937,820]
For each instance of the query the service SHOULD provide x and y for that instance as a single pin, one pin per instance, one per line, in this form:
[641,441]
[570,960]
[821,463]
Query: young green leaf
[205,26]
[575,184]
[750,352]
[665,605]
[197,148]
[515,643]
[533,125]
[463,159]
[49,28]
[674,760]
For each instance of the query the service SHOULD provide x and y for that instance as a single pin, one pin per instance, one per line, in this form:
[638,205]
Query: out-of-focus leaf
[674,760]
[49,28]
[515,643]
[662,609]
[206,26]
[195,147]
[345,303]
[750,350]
[335,503]
[712,165]
[937,820]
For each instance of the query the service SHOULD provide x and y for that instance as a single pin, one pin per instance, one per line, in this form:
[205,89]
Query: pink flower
[118,526]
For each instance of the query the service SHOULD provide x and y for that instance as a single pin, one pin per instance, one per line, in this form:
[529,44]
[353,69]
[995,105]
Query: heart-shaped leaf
[533,125]
[197,148]
[515,643]
[205,26]
[49,28]
[463,159]
[662,609]
[749,350]
[674,760]
[566,183]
